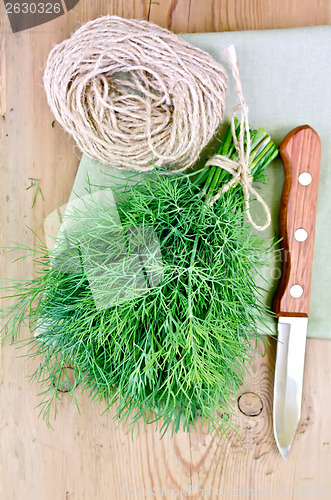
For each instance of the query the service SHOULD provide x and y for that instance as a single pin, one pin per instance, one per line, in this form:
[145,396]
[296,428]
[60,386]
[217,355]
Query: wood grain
[301,153]
[86,456]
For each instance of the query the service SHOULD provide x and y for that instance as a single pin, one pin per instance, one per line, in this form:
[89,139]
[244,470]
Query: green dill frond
[151,301]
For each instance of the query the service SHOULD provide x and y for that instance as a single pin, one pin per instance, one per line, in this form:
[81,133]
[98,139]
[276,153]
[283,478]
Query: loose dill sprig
[35,184]
[176,352]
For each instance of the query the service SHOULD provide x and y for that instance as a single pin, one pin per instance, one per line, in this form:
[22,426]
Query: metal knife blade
[288,380]
[300,152]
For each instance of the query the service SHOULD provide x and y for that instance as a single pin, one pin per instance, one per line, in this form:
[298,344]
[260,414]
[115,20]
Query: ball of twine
[130,92]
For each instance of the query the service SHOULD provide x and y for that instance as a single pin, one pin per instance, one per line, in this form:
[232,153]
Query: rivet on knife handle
[300,152]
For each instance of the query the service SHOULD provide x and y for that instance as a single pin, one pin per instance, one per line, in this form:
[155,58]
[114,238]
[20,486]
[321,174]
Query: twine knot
[240,168]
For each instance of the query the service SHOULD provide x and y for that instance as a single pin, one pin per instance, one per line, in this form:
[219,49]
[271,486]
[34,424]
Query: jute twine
[240,168]
[129,91]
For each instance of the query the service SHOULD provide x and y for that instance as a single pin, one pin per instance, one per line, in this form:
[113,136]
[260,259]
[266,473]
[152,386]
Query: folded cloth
[286,76]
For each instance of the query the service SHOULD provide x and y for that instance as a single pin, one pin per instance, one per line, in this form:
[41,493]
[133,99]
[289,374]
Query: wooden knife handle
[300,152]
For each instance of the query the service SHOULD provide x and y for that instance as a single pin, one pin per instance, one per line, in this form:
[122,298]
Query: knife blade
[300,152]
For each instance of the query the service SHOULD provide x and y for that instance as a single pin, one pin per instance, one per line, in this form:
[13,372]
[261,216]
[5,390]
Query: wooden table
[85,456]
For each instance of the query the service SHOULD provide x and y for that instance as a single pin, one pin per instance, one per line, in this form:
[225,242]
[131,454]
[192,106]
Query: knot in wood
[250,404]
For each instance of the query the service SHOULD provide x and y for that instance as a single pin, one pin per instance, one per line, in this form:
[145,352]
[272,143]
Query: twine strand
[239,169]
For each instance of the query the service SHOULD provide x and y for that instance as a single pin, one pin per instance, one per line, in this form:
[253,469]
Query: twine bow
[240,168]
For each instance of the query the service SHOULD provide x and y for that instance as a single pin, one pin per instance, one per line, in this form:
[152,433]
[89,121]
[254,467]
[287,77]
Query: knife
[300,152]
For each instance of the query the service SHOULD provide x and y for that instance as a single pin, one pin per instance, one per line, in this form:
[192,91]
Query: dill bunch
[152,299]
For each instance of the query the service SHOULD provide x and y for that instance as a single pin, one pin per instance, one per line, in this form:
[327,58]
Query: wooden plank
[229,15]
[86,456]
